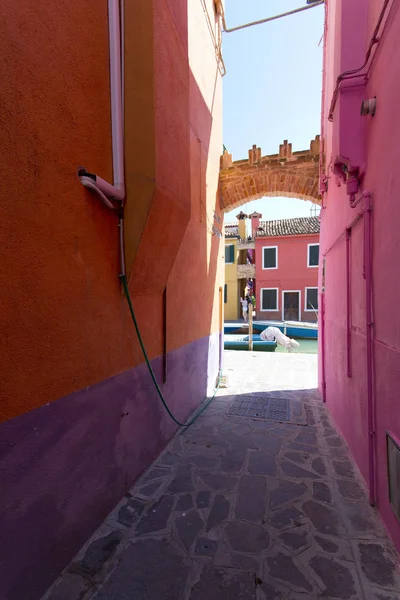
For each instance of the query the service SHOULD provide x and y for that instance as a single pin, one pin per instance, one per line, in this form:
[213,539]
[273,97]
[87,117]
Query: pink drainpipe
[116,191]
[370,358]
[348,301]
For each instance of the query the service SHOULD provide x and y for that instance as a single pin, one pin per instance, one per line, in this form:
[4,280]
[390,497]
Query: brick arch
[291,174]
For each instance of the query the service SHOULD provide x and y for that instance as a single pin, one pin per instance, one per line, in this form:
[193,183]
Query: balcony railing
[246,271]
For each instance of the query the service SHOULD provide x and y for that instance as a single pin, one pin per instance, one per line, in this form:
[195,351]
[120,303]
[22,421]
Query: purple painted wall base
[64,466]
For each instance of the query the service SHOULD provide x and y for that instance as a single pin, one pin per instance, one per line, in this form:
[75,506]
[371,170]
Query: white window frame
[269,268]
[277,300]
[283,302]
[308,256]
[313,287]
[234,254]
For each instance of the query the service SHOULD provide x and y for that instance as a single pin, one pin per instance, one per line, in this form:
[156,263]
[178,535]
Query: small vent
[393,458]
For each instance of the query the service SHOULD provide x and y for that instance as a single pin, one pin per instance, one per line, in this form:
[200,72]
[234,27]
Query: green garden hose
[153,377]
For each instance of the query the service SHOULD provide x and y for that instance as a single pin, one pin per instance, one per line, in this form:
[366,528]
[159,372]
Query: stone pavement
[244,509]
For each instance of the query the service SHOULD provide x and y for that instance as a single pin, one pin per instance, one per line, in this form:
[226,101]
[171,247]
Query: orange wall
[64,322]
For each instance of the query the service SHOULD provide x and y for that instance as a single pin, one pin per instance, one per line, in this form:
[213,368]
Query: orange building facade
[80,417]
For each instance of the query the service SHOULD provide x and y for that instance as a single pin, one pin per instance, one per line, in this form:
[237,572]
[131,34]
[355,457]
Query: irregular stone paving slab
[286,492]
[130,512]
[327,545]
[296,457]
[251,498]
[334,442]
[217,481]
[70,587]
[150,489]
[157,516]
[271,593]
[205,547]
[362,519]
[294,540]
[261,463]
[100,551]
[224,584]
[219,512]
[188,526]
[343,468]
[377,563]
[148,569]
[169,460]
[336,547]
[203,499]
[319,466]
[245,562]
[288,517]
[267,442]
[245,537]
[292,470]
[322,492]
[306,438]
[154,473]
[182,481]
[350,489]
[233,461]
[336,577]
[185,502]
[303,448]
[322,517]
[284,567]
[203,461]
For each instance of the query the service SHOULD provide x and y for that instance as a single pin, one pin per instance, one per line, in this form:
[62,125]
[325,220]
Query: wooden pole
[250,315]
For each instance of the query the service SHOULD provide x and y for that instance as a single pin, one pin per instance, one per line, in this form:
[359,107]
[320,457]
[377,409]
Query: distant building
[231,281]
[278,264]
[286,273]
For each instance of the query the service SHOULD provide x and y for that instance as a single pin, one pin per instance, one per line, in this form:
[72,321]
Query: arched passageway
[291,174]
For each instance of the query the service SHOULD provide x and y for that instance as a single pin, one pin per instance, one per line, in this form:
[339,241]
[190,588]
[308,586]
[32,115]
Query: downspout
[369,326]
[115,192]
[323,384]
[348,301]
[322,191]
[359,72]
[322,178]
[367,214]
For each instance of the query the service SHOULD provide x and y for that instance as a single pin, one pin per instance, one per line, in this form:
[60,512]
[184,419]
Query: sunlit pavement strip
[241,509]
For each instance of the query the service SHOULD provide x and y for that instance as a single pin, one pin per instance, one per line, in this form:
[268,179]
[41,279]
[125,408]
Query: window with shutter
[270,257]
[313,255]
[269,299]
[311,299]
[230,254]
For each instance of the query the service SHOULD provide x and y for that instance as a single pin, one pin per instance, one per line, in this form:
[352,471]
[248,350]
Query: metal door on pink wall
[291,306]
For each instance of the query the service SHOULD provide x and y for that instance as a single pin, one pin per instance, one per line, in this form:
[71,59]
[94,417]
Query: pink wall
[374,142]
[292,272]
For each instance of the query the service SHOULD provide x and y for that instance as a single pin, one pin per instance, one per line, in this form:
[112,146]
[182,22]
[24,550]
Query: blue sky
[272,89]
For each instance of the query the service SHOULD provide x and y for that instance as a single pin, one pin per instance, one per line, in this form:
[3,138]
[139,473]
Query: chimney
[255,222]
[241,217]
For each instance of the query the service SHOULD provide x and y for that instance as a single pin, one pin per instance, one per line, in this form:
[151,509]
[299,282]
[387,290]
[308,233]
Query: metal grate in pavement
[269,407]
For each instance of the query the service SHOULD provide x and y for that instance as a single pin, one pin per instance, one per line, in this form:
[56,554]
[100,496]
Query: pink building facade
[359,273]
[287,258]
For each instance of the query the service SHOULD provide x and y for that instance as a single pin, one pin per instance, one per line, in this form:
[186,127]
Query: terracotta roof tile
[300,226]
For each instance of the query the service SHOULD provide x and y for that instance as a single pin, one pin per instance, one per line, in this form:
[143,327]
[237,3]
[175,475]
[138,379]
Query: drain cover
[269,407]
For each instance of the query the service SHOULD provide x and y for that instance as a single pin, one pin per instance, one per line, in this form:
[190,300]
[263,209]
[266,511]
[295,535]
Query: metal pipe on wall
[369,333]
[348,300]
[105,190]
